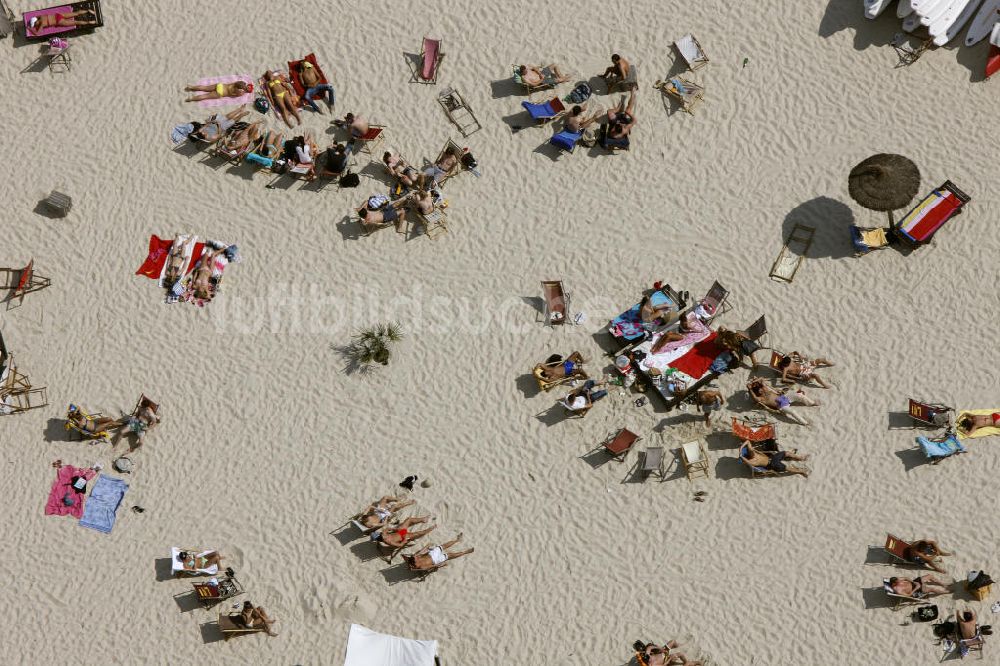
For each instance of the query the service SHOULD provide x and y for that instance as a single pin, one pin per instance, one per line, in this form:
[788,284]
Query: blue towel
[948,447]
[566,140]
[104,500]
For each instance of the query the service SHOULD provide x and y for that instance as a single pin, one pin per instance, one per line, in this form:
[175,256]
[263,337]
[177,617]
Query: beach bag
[261,104]
[926,613]
[580,94]
[468,161]
[350,180]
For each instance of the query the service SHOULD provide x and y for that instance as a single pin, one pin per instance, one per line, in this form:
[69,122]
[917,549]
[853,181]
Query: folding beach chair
[869,239]
[757,330]
[556,302]
[691,51]
[547,82]
[630,81]
[84,434]
[566,140]
[899,599]
[92,6]
[757,472]
[620,443]
[231,624]
[687,93]
[7,19]
[793,253]
[233,156]
[939,449]
[695,459]
[459,112]
[370,140]
[549,384]
[431,56]
[26,282]
[896,548]
[753,429]
[776,357]
[652,463]
[967,645]
[142,403]
[226,588]
[935,415]
[545,111]
[919,225]
[453,148]
[716,301]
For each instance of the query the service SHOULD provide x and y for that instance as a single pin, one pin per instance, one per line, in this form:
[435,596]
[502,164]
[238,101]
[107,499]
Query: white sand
[266,445]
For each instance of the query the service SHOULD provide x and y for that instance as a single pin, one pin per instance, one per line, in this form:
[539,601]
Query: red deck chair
[430,57]
[931,414]
[620,444]
[920,224]
[753,431]
[27,281]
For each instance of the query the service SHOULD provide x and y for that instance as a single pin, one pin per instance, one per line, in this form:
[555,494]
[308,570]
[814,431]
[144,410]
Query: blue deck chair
[566,140]
[938,450]
[543,113]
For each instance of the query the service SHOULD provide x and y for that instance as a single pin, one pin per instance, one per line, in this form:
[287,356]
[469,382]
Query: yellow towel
[980,432]
[874,237]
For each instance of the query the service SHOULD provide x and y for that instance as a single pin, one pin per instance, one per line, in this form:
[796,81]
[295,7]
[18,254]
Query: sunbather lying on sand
[378,513]
[253,617]
[286,104]
[216,127]
[402,535]
[219,90]
[970,423]
[38,23]
[768,455]
[918,588]
[801,368]
[92,426]
[432,557]
[549,75]
[556,367]
[201,280]
[659,655]
[779,400]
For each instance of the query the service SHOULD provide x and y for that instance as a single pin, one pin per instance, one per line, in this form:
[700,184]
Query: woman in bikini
[802,368]
[432,557]
[401,536]
[201,281]
[91,426]
[255,616]
[192,562]
[219,90]
[378,513]
[38,23]
[970,423]
[283,97]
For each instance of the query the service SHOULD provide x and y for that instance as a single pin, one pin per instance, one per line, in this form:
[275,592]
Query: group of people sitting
[386,530]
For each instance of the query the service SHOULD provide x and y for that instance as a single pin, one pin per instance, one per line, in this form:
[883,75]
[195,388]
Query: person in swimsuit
[402,535]
[708,400]
[404,174]
[286,104]
[441,169]
[140,423]
[556,367]
[422,201]
[918,588]
[373,218]
[91,426]
[378,513]
[800,368]
[236,142]
[432,557]
[780,401]
[548,75]
[577,122]
[219,90]
[650,314]
[38,23]
[255,616]
[356,125]
[739,344]
[970,423]
[621,119]
[618,71]
[215,127]
[925,551]
[659,655]
[193,562]
[769,456]
[201,279]
[967,631]
[314,86]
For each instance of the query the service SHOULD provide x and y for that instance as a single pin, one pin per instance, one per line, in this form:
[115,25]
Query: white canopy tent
[368,648]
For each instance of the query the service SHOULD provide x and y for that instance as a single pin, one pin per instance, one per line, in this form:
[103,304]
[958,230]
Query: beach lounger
[757,472]
[453,148]
[459,112]
[687,93]
[937,450]
[869,239]
[715,302]
[896,548]
[652,463]
[566,140]
[431,55]
[691,51]
[72,427]
[757,330]
[178,568]
[17,395]
[620,443]
[549,80]
[92,6]
[23,281]
[231,624]
[919,225]
[898,599]
[695,459]
[434,223]
[226,588]
[556,301]
[931,414]
[545,111]
[793,253]
[549,384]
[57,57]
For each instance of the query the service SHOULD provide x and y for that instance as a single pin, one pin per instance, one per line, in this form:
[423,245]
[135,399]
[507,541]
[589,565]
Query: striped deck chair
[431,56]
[89,418]
[920,224]
[754,430]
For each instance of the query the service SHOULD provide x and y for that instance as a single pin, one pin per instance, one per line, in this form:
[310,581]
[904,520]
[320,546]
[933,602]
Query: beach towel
[92,6]
[697,361]
[105,498]
[366,648]
[698,332]
[980,432]
[156,259]
[63,485]
[628,324]
[226,101]
[933,449]
[927,216]
[430,49]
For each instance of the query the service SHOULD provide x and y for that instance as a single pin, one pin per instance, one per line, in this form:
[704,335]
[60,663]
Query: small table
[58,58]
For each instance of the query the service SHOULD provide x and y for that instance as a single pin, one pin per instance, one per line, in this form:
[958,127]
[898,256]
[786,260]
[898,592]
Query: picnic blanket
[697,361]
[226,101]
[980,432]
[105,498]
[927,216]
[943,449]
[628,324]
[63,487]
[293,73]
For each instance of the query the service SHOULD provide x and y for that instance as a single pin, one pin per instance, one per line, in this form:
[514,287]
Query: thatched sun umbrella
[884,182]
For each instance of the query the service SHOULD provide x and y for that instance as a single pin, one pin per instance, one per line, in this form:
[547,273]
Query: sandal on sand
[699,499]
[700,493]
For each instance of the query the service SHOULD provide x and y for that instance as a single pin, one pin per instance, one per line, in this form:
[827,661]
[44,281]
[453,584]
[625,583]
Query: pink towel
[226,101]
[62,485]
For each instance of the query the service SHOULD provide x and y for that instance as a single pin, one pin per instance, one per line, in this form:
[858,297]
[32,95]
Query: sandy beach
[268,445]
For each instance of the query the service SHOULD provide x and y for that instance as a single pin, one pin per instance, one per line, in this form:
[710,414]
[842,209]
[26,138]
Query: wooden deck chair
[431,55]
[548,384]
[716,301]
[695,459]
[653,463]
[434,223]
[23,399]
[27,281]
[459,112]
[227,588]
[753,429]
[793,253]
[899,599]
[84,434]
[620,443]
[896,548]
[556,301]
[629,82]
[691,51]
[938,416]
[372,139]
[231,624]
[547,82]
[758,472]
[456,150]
[968,645]
[757,330]
[687,93]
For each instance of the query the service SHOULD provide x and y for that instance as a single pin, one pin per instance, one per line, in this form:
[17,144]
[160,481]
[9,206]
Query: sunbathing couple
[970,423]
[39,22]
[779,401]
[794,366]
[651,654]
[219,90]
[768,455]
[919,587]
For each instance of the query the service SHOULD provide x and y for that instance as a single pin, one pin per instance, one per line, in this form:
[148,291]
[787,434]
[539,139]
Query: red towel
[63,485]
[293,73]
[697,361]
[159,248]
[993,61]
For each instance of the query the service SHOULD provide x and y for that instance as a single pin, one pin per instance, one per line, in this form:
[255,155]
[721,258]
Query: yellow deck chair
[90,418]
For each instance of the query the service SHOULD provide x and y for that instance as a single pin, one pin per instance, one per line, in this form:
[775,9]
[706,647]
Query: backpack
[350,180]
[261,104]
[580,94]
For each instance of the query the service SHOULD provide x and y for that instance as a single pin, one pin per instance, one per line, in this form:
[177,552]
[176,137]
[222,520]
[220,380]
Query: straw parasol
[884,182]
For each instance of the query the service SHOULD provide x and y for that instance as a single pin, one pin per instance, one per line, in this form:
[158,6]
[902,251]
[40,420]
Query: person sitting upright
[621,119]
[576,121]
[584,397]
[255,616]
[335,162]
[801,368]
[918,588]
[617,72]
[432,557]
[548,75]
[659,655]
[769,456]
[356,125]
